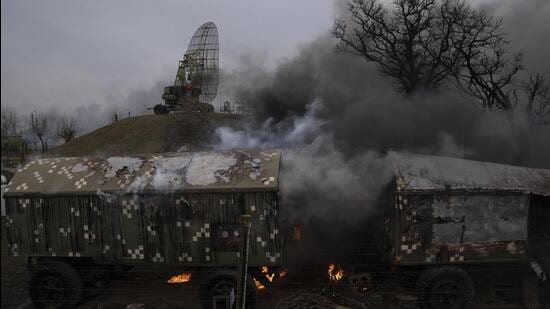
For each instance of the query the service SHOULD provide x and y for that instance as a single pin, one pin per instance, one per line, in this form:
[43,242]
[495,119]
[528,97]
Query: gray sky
[69,53]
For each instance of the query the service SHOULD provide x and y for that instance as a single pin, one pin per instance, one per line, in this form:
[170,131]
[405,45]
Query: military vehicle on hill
[196,83]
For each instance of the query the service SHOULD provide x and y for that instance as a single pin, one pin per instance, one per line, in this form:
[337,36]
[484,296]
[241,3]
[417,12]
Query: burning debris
[267,274]
[259,285]
[282,273]
[181,278]
[270,276]
[335,273]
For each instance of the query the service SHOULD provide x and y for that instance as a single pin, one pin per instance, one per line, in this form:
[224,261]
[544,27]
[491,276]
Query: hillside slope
[146,134]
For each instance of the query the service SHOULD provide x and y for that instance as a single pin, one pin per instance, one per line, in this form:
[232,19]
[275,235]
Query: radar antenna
[197,78]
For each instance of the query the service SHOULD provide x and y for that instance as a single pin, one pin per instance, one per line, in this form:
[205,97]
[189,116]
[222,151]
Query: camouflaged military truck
[448,218]
[78,218]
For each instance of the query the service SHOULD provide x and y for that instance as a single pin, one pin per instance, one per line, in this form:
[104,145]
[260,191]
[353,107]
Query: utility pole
[32,131]
[243,265]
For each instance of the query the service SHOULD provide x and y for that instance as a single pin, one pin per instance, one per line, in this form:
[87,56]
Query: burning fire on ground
[259,285]
[335,274]
[269,276]
[265,271]
[181,278]
[282,273]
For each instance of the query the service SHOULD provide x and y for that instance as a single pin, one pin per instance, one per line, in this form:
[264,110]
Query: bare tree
[410,44]
[39,127]
[486,70]
[67,128]
[421,44]
[537,90]
[10,122]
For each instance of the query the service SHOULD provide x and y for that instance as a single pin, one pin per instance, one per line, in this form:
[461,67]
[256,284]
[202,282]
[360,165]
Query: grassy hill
[146,134]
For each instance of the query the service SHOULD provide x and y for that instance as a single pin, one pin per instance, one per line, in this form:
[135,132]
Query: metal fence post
[243,265]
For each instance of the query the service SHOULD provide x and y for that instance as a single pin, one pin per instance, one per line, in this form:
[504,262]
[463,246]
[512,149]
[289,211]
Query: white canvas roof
[423,172]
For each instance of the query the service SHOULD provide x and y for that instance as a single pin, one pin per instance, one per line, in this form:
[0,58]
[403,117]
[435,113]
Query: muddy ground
[150,290]
[494,290]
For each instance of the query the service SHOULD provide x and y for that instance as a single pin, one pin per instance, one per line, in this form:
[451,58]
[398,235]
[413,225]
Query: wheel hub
[221,292]
[445,293]
[50,289]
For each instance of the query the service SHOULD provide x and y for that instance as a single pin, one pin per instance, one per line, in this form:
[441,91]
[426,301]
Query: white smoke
[294,132]
[317,179]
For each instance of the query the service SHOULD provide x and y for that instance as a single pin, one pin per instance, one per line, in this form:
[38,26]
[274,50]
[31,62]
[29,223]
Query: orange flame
[282,273]
[265,271]
[259,285]
[334,274]
[181,278]
[269,276]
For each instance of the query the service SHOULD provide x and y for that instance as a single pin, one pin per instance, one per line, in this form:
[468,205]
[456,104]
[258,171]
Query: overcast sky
[71,53]
[68,53]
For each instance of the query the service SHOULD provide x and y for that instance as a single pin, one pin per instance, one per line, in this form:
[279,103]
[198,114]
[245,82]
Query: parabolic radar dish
[204,45]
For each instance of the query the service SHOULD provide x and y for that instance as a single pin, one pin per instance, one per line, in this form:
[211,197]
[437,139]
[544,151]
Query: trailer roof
[236,170]
[423,172]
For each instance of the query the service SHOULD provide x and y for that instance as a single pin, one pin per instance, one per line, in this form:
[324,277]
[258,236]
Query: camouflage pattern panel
[125,212]
[204,228]
[461,228]
[265,239]
[209,212]
[123,209]
[18,234]
[169,222]
[61,226]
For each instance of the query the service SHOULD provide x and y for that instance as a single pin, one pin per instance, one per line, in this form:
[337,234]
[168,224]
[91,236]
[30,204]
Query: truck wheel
[220,285]
[55,285]
[445,287]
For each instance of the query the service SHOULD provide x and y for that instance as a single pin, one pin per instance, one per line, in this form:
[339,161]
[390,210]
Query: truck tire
[445,287]
[221,283]
[55,285]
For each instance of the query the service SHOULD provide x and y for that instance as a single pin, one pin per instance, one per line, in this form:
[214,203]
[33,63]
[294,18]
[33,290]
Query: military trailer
[448,217]
[73,215]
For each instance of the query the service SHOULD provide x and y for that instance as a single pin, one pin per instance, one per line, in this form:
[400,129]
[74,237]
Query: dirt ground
[14,281]
[149,290]
[146,290]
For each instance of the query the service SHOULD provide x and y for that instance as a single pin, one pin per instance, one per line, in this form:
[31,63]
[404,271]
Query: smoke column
[335,117]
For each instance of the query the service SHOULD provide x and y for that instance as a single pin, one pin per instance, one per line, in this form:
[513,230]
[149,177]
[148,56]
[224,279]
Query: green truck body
[452,211]
[182,208]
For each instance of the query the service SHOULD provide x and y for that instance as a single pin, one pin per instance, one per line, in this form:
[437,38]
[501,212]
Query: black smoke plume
[335,117]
